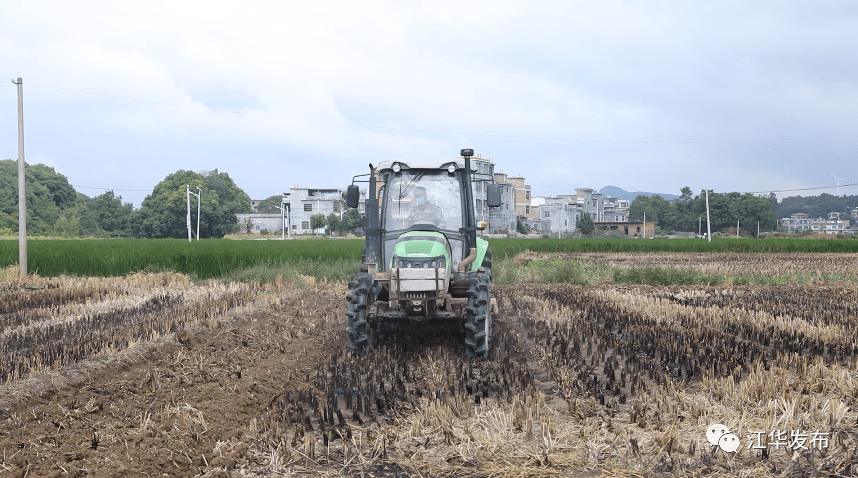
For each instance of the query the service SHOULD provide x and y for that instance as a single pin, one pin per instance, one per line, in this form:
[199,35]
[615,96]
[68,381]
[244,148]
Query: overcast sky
[653,96]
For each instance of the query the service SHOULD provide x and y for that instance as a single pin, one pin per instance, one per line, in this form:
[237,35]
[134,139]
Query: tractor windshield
[422,197]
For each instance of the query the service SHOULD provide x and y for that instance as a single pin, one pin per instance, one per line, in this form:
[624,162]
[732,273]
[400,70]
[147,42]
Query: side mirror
[352,196]
[493,195]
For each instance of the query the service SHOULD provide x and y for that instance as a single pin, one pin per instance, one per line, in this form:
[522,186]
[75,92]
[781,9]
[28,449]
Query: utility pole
[22,193]
[644,231]
[199,196]
[708,227]
[699,221]
[737,228]
[188,220]
[282,208]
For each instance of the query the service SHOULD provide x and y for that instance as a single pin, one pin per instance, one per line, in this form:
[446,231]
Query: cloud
[709,89]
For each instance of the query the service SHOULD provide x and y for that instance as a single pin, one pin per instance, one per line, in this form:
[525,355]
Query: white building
[561,213]
[801,222]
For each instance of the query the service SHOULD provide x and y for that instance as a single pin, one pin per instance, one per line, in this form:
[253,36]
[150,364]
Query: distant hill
[620,193]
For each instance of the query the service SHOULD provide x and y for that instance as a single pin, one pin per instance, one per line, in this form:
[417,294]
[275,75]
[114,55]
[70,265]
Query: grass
[664,276]
[548,271]
[553,268]
[320,270]
[507,248]
[261,261]
[200,260]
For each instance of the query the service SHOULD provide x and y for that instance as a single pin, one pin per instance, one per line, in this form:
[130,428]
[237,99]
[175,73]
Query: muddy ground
[582,381]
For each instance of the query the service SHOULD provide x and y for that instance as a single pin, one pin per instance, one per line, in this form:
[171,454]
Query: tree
[68,224]
[163,213]
[585,224]
[317,221]
[816,206]
[657,209]
[269,205]
[334,223]
[352,219]
[48,195]
[247,225]
[111,215]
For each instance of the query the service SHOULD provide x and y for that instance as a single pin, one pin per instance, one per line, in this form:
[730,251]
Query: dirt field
[605,380]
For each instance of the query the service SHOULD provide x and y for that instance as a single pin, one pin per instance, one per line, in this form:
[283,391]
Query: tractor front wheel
[360,286]
[478,318]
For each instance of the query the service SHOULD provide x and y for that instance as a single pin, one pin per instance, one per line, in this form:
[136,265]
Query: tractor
[423,261]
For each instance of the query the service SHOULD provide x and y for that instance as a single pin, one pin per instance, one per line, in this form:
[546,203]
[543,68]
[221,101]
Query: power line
[800,189]
[416,130]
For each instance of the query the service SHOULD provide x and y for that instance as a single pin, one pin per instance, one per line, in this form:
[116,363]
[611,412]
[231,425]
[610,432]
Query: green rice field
[218,258]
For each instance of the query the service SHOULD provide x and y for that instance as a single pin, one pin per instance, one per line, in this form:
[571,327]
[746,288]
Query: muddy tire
[358,301]
[478,319]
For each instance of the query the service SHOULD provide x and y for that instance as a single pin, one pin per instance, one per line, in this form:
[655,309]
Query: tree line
[54,208]
[818,206]
[687,213]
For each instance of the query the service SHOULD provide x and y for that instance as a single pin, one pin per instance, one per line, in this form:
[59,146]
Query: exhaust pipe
[468,260]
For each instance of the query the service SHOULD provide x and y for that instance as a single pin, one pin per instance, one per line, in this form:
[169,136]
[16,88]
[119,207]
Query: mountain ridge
[621,193]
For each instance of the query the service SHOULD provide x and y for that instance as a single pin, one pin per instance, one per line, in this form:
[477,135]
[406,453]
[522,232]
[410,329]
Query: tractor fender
[482,248]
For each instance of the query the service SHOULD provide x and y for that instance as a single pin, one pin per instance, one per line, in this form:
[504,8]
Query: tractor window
[423,197]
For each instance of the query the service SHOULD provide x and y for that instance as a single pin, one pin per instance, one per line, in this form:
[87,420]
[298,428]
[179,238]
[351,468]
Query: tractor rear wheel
[478,318]
[358,299]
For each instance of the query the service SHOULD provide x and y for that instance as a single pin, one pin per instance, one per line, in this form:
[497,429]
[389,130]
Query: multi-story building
[562,213]
[503,218]
[800,222]
[555,214]
[522,196]
[307,202]
[615,209]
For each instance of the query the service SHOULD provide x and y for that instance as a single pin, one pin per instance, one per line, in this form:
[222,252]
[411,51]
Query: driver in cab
[423,211]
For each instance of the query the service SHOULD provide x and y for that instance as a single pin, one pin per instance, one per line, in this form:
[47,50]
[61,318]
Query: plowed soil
[582,381]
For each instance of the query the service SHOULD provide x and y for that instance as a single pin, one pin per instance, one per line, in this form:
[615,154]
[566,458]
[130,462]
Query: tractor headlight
[418,262]
[396,167]
[451,168]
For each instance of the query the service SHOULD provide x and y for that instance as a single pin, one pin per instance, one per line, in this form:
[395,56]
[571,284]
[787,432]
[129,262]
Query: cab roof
[423,163]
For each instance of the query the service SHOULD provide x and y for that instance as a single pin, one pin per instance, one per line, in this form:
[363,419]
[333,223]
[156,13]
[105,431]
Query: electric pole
[198,194]
[188,220]
[708,228]
[199,199]
[22,193]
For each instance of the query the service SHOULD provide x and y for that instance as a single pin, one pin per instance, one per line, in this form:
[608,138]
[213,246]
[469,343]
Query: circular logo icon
[714,432]
[729,442]
[718,434]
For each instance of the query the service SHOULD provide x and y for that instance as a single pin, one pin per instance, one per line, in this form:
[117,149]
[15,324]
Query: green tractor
[423,260]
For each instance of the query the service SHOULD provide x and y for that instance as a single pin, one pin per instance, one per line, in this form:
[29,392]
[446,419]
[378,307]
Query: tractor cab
[422,259]
[426,199]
